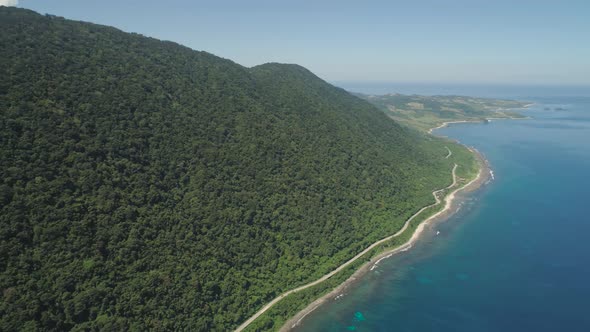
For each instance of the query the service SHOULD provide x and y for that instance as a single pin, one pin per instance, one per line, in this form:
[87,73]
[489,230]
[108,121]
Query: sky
[452,41]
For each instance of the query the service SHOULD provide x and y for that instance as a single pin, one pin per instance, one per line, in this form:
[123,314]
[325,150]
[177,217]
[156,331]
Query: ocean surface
[516,257]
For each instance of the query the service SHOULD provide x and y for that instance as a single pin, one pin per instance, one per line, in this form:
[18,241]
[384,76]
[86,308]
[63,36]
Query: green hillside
[147,186]
[425,112]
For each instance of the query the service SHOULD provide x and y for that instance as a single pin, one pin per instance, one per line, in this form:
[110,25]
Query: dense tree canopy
[145,185]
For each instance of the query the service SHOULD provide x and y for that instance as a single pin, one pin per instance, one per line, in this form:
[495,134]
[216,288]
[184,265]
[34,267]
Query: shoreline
[483,177]
[446,123]
[327,276]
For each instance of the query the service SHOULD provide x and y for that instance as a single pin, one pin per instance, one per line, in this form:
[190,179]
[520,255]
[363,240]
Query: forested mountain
[145,185]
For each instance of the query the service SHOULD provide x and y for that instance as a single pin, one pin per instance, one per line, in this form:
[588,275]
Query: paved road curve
[338,269]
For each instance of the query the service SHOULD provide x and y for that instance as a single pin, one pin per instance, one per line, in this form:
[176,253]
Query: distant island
[426,112]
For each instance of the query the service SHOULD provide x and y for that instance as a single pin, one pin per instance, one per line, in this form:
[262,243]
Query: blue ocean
[516,256]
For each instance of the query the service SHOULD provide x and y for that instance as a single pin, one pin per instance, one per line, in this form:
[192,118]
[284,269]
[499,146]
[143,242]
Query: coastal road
[347,263]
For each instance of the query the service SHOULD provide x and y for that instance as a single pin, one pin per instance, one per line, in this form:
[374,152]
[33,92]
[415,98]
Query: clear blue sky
[465,41]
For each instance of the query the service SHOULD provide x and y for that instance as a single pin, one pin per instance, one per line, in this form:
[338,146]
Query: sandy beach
[446,123]
[484,175]
[420,228]
[450,207]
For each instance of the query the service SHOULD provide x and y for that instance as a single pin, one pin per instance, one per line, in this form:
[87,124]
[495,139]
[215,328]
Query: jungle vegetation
[148,186]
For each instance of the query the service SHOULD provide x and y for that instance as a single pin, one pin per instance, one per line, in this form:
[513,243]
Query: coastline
[483,177]
[352,260]
[446,123]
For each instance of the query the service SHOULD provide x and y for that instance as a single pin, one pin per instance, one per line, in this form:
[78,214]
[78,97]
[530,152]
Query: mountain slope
[149,186]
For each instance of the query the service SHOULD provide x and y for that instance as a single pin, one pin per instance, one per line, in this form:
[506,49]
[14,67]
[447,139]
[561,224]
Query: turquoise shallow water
[517,255]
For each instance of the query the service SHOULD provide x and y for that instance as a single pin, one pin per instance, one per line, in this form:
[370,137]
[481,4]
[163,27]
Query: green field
[425,112]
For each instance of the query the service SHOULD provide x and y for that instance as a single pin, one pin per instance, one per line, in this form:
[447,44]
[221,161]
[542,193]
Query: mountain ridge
[149,186]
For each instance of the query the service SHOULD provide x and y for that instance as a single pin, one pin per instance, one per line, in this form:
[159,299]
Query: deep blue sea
[516,257]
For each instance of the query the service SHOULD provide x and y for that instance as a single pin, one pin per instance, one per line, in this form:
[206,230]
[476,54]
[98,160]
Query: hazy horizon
[529,42]
[486,90]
